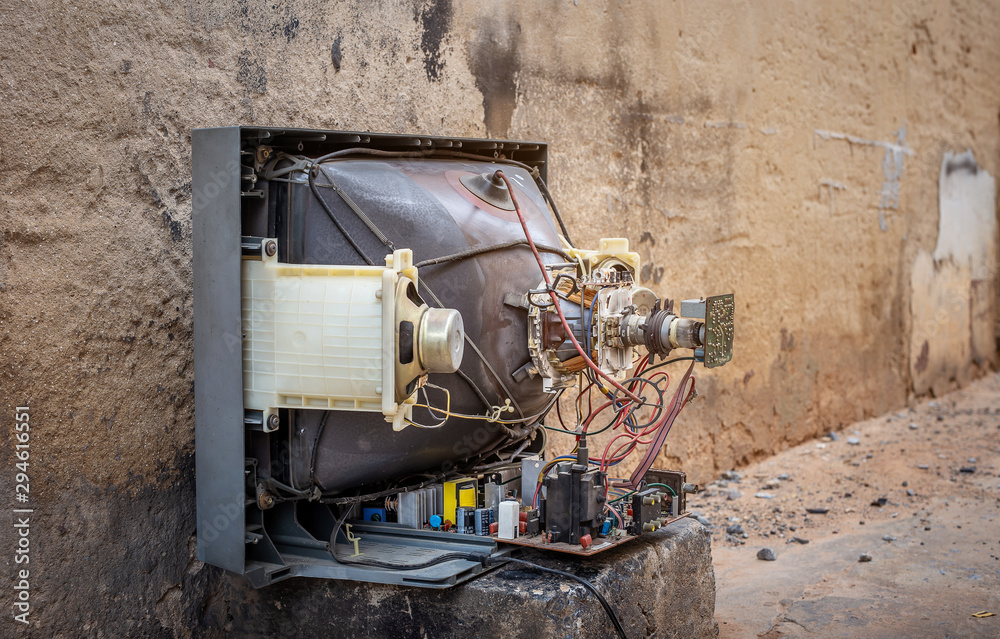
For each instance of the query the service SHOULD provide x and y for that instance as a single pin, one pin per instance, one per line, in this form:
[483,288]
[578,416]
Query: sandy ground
[918,491]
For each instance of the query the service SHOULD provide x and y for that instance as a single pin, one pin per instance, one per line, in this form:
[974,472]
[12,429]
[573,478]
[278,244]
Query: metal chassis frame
[221,464]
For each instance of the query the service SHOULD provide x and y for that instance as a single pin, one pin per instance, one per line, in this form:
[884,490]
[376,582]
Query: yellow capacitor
[459,493]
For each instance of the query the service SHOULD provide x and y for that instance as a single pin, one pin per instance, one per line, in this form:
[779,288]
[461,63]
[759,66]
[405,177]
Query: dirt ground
[918,491]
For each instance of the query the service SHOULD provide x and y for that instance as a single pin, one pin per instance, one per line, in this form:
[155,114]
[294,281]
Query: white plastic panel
[316,336]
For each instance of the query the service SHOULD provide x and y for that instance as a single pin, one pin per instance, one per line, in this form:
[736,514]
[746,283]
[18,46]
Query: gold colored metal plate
[719,312]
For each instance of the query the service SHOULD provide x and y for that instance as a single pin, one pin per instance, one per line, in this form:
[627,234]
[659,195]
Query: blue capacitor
[606,528]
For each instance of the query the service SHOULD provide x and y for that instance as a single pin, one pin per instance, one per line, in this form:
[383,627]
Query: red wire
[555,298]
[590,418]
[634,438]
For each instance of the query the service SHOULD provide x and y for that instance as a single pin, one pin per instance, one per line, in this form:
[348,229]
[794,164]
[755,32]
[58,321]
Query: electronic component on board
[508,520]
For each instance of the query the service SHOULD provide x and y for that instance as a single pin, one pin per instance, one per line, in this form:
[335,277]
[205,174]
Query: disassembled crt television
[384,327]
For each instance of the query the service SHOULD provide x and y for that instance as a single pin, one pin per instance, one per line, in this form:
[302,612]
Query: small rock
[853,441]
[817,511]
[722,483]
[888,538]
[972,460]
[914,427]
[910,492]
[833,436]
[905,484]
[766,554]
[771,484]
[745,536]
[923,466]
[901,414]
[784,477]
[703,520]
[798,540]
[881,501]
[763,495]
[932,404]
[735,529]
[731,475]
[733,494]
[864,558]
[967,469]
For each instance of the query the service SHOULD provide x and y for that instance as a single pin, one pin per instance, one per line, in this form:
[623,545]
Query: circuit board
[719,329]
[600,545]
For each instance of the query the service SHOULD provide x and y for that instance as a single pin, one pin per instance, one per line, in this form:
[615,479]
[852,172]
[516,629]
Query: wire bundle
[623,400]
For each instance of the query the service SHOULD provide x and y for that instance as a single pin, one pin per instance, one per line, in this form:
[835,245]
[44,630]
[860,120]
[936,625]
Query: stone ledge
[662,585]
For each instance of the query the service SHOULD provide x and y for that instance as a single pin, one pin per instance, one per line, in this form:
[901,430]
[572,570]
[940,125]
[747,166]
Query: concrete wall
[791,152]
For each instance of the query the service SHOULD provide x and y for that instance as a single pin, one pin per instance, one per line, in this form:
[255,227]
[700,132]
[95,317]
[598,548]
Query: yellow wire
[464,416]
[446,411]
[545,469]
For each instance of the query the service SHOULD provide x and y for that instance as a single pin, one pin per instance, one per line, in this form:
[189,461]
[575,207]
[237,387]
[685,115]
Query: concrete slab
[662,585]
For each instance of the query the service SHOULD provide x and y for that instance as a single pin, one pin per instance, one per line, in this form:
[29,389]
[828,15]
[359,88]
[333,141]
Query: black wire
[532,171]
[485,560]
[572,280]
[552,204]
[482,358]
[435,478]
[468,380]
[488,249]
[568,575]
[349,201]
[561,422]
[669,361]
[632,407]
[312,459]
[336,530]
[285,487]
[391,491]
[340,227]
[451,556]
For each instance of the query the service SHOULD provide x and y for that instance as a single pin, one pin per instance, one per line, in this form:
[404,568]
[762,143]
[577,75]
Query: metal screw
[273,422]
[265,500]
[271,247]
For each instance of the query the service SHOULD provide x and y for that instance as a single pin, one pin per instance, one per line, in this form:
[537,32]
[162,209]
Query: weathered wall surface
[789,152]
